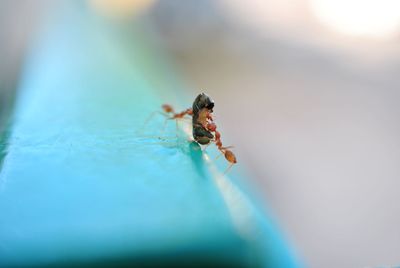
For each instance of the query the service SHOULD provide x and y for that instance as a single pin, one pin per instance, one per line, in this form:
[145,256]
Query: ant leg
[164,126]
[227,147]
[181,116]
[148,119]
[227,170]
[221,154]
[177,128]
[141,130]
[208,144]
[176,125]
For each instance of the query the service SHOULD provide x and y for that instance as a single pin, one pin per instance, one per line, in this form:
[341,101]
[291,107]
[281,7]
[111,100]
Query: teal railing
[81,181]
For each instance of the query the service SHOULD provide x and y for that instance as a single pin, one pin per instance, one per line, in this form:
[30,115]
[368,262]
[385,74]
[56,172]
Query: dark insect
[202,109]
[204,128]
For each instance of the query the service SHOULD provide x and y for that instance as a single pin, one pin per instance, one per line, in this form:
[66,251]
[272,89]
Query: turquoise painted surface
[82,182]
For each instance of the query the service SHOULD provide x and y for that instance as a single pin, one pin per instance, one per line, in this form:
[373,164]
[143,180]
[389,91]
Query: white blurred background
[308,91]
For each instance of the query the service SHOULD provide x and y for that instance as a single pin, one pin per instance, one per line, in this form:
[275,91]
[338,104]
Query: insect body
[202,109]
[204,128]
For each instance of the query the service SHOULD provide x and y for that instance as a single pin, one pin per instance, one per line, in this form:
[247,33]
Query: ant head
[167,108]
[203,101]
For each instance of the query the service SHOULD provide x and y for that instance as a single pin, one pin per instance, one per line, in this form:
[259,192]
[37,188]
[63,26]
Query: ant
[168,109]
[169,113]
[204,128]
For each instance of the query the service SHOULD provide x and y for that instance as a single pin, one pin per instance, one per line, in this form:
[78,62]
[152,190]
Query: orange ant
[204,128]
[229,155]
[169,112]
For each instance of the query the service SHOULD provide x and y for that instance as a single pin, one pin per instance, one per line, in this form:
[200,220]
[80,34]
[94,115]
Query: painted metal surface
[82,182]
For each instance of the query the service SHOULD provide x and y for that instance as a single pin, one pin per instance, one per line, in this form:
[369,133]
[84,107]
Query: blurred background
[306,90]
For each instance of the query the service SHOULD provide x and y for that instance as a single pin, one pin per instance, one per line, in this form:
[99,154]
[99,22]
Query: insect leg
[218,156]
[176,128]
[227,170]
[148,119]
[164,125]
